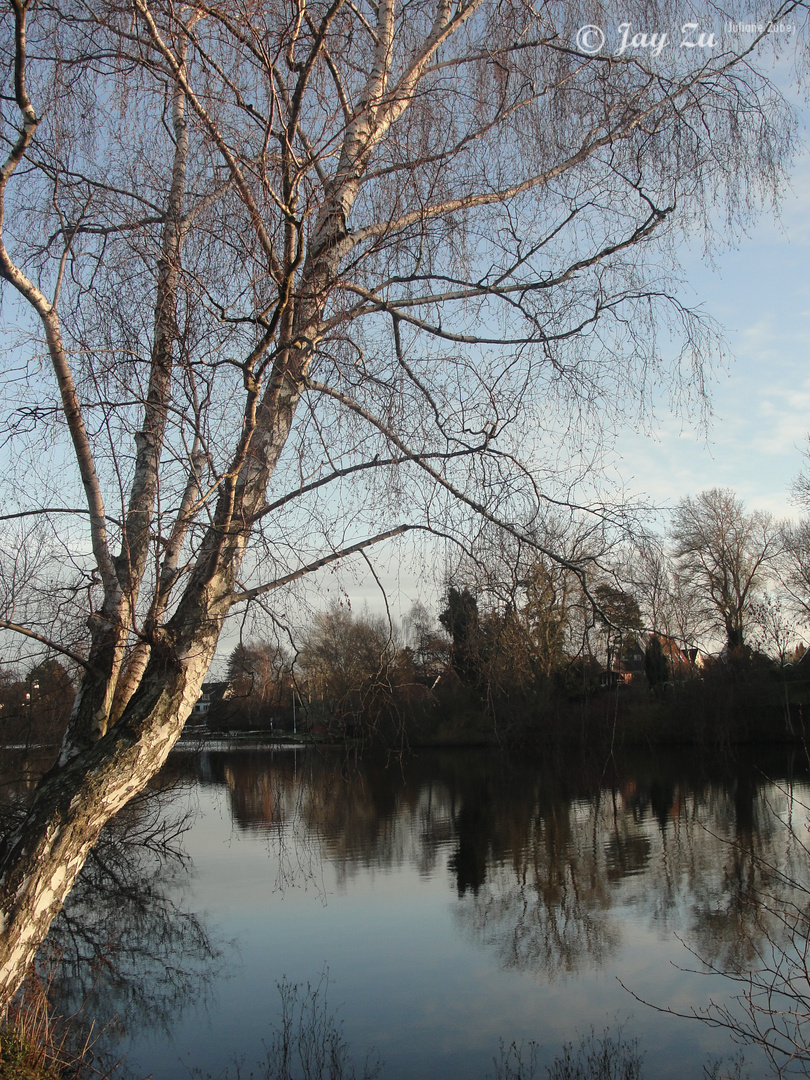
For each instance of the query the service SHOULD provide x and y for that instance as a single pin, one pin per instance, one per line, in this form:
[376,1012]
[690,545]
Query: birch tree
[283,282]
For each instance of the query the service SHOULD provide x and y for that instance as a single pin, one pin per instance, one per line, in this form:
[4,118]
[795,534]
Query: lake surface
[447,901]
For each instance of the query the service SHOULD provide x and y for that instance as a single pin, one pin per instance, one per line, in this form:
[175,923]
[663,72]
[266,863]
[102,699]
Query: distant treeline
[692,637]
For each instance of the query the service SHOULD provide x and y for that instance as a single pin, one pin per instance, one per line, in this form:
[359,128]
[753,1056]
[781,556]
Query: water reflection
[541,857]
[132,954]
[549,869]
[22,768]
[127,952]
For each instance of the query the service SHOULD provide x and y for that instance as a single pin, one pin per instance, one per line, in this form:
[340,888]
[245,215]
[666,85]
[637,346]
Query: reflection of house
[212,692]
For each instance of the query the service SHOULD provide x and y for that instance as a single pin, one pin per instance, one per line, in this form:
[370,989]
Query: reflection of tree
[547,910]
[124,951]
[728,914]
[666,847]
[542,931]
[469,863]
[540,857]
[130,954]
[756,934]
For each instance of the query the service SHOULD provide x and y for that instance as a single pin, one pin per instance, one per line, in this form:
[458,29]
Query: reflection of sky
[417,973]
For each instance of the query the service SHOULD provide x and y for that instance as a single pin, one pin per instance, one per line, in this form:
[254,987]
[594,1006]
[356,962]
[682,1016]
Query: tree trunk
[41,859]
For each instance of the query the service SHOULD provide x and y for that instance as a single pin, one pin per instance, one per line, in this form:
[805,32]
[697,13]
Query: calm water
[454,899]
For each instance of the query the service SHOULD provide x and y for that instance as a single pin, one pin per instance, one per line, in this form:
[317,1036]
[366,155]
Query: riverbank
[731,704]
[37,1045]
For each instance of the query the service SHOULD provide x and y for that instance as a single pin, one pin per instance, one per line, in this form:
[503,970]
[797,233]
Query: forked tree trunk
[42,858]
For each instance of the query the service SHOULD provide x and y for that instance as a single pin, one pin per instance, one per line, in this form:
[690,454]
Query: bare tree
[346,662]
[800,488]
[723,555]
[794,562]
[428,646]
[794,566]
[667,607]
[775,630]
[289,280]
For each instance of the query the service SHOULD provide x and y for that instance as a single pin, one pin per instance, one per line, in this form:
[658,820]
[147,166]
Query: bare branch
[51,644]
[310,568]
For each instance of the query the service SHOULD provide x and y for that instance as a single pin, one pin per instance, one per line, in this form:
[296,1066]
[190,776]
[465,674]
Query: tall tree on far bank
[619,615]
[656,665]
[723,557]
[347,662]
[553,595]
[667,607]
[461,620]
[259,678]
[303,278]
[794,565]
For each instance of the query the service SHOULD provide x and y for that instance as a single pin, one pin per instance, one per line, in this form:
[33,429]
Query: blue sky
[759,291]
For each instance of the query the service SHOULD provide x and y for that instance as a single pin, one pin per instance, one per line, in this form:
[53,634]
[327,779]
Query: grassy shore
[37,1045]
